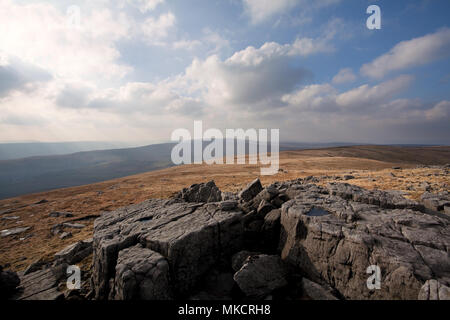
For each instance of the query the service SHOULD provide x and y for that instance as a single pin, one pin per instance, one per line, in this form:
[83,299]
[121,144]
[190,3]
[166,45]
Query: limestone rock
[260,275]
[141,274]
[203,192]
[239,258]
[75,252]
[251,190]
[434,290]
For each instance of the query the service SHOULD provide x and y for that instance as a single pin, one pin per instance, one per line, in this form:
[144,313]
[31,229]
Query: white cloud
[261,10]
[156,29]
[411,53]
[145,5]
[345,75]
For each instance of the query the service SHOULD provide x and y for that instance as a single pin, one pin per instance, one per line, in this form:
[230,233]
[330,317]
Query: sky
[136,70]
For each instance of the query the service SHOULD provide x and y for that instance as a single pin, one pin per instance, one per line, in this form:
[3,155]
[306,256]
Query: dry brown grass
[371,166]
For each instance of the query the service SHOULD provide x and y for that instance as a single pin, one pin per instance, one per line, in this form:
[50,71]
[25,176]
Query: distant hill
[9,151]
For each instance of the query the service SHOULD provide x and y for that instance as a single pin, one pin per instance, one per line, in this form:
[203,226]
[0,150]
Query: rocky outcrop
[335,238]
[203,192]
[191,237]
[253,244]
[74,253]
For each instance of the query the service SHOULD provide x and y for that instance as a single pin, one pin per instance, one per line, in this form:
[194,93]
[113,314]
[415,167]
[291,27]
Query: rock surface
[434,290]
[8,283]
[252,189]
[203,192]
[261,275]
[436,202]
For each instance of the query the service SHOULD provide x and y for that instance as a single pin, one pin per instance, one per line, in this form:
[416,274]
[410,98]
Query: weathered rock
[65,235]
[228,205]
[14,231]
[348,177]
[315,291]
[264,208]
[35,266]
[434,290]
[203,192]
[141,274]
[58,214]
[334,239]
[251,190]
[239,258]
[74,253]
[436,202]
[42,284]
[271,229]
[191,237]
[8,283]
[73,225]
[260,275]
[10,218]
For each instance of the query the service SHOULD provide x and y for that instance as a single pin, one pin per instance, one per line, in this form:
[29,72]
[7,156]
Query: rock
[339,245]
[42,201]
[35,266]
[261,275]
[252,189]
[74,253]
[315,291]
[396,168]
[447,209]
[216,285]
[65,235]
[203,192]
[141,274]
[73,225]
[10,218]
[191,237]
[436,201]
[271,229]
[57,214]
[14,231]
[228,205]
[348,177]
[8,283]
[239,258]
[264,208]
[434,290]
[42,284]
[229,196]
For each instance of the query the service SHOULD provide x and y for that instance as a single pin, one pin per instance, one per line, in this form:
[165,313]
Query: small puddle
[317,212]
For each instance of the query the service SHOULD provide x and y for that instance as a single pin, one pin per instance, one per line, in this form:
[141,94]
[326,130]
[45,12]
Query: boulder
[141,274]
[436,201]
[239,258]
[8,283]
[74,253]
[203,192]
[58,214]
[261,275]
[14,231]
[335,239]
[315,291]
[251,190]
[192,237]
[434,290]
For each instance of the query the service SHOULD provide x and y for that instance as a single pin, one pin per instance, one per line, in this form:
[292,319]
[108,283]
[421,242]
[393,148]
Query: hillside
[370,167]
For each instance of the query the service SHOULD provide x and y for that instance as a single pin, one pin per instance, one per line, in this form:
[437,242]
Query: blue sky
[134,70]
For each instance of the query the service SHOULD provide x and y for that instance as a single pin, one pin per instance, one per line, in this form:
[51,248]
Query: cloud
[262,10]
[156,29]
[17,75]
[411,53]
[344,76]
[145,5]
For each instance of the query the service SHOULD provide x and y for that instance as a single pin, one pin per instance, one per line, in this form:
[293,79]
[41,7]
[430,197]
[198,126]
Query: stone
[348,177]
[75,252]
[261,275]
[251,190]
[228,205]
[264,208]
[73,225]
[35,266]
[359,231]
[141,274]
[58,214]
[11,218]
[13,231]
[315,291]
[65,235]
[271,229]
[203,192]
[42,284]
[239,258]
[434,290]
[8,283]
[436,201]
[192,237]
